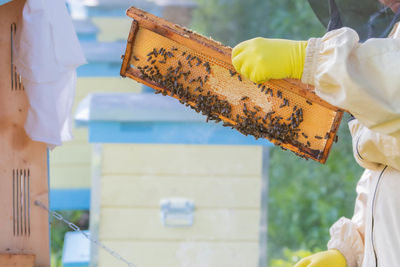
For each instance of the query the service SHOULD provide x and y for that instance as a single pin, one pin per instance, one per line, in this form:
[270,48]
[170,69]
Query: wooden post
[23,162]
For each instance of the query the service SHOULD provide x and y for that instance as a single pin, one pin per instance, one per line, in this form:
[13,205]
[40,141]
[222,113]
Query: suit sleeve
[362,78]
[347,235]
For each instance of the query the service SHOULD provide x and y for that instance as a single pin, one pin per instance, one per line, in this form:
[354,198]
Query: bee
[244,108]
[149,54]
[162,61]
[206,78]
[153,61]
[136,58]
[305,136]
[239,78]
[233,73]
[263,88]
[308,144]
[183,53]
[336,138]
[327,136]
[188,57]
[318,137]
[286,102]
[308,102]
[174,49]
[244,98]
[279,94]
[155,52]
[207,65]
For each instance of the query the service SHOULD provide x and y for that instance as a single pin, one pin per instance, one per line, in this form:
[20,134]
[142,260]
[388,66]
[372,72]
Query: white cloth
[365,80]
[47,53]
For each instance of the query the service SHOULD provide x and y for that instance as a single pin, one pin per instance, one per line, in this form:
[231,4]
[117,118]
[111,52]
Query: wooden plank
[183,254]
[23,165]
[209,225]
[128,53]
[146,191]
[181,160]
[17,260]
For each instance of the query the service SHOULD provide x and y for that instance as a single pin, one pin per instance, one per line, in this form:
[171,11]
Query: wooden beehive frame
[218,52]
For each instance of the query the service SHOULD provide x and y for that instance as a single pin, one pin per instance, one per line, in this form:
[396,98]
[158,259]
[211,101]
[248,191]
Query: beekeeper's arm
[360,78]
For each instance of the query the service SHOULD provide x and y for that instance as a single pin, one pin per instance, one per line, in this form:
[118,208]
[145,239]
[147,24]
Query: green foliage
[306,198]
[233,21]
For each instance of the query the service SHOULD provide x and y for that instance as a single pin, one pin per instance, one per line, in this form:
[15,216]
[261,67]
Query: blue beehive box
[152,119]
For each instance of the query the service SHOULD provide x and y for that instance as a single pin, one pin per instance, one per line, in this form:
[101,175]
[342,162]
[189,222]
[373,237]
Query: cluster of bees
[179,80]
[182,83]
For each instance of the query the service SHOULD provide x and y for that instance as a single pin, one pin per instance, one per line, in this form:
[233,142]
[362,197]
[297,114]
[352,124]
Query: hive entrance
[197,71]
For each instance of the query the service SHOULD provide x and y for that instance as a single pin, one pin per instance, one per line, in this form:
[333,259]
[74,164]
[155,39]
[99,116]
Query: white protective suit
[364,78]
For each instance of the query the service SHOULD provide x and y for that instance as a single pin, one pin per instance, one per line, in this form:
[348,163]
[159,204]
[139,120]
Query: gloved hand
[329,258]
[261,59]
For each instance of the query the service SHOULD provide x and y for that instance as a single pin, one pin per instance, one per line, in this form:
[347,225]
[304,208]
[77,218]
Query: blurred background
[115,183]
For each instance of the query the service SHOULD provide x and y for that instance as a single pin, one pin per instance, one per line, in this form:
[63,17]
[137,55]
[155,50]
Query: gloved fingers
[258,76]
[249,68]
[303,263]
[239,48]
[240,63]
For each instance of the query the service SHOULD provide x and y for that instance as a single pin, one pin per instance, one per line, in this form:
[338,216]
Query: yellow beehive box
[222,182]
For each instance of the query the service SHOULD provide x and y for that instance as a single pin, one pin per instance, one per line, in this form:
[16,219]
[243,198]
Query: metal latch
[177,212]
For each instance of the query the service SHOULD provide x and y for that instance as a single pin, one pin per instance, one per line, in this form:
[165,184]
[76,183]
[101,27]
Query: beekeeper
[356,68]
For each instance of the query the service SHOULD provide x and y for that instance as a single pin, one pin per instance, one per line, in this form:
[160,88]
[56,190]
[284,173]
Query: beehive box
[126,212]
[198,72]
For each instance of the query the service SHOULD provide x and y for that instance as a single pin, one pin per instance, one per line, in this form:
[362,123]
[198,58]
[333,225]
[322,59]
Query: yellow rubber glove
[261,59]
[329,258]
